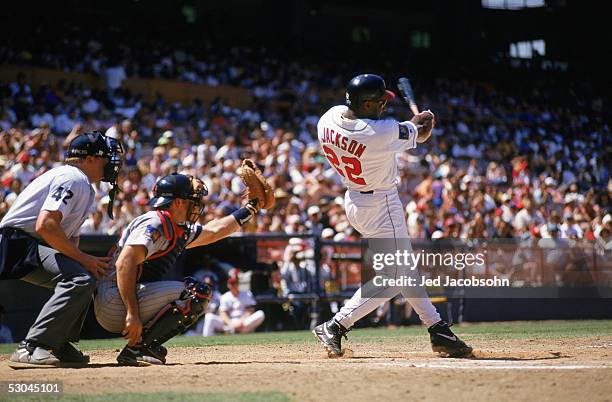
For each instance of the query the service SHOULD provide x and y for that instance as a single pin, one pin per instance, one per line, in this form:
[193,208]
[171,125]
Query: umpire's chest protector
[157,265]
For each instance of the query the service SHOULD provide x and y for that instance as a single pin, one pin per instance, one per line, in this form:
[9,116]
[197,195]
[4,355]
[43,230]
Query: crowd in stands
[499,165]
[268,76]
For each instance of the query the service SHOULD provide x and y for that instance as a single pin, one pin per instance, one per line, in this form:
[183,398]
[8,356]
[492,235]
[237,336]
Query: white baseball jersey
[66,189]
[363,150]
[236,306]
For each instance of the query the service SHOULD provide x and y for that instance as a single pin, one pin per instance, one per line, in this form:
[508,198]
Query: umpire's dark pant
[62,316]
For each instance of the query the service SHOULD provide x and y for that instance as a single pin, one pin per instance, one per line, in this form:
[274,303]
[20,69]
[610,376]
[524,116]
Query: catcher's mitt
[257,186]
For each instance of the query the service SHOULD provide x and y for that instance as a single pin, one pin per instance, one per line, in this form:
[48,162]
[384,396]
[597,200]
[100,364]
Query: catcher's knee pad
[176,317]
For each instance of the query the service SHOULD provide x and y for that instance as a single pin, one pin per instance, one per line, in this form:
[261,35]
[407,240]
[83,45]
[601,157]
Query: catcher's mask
[97,144]
[181,186]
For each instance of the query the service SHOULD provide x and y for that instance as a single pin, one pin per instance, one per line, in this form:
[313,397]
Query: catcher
[134,300]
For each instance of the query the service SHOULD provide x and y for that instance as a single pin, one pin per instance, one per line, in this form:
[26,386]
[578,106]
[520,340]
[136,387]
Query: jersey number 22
[352,166]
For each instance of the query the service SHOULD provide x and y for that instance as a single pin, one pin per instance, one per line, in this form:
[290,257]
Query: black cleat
[142,355]
[443,341]
[68,354]
[330,335]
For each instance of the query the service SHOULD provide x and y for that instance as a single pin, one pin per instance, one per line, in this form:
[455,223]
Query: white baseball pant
[381,216]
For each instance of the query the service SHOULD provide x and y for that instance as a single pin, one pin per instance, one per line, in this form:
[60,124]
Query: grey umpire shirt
[66,189]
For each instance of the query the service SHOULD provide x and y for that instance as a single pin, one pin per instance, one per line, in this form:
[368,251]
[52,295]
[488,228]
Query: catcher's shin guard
[176,317]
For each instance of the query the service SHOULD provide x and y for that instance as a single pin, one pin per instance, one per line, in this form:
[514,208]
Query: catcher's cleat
[69,354]
[30,354]
[330,335]
[446,343]
[142,355]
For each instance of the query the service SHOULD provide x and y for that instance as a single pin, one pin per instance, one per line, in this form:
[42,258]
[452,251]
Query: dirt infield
[566,369]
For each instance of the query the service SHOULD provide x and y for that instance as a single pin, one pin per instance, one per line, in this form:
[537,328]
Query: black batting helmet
[366,87]
[181,186]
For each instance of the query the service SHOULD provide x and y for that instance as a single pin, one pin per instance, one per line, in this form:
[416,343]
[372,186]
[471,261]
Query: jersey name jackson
[343,142]
[349,167]
[363,151]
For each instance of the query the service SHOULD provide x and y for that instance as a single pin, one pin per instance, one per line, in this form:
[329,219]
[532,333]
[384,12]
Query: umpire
[39,238]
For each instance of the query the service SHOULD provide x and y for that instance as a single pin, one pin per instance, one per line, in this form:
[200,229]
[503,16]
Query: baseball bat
[406,90]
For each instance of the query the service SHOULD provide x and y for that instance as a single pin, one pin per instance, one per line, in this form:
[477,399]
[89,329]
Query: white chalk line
[500,365]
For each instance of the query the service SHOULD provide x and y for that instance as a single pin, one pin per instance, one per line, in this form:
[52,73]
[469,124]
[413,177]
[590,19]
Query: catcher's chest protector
[157,265]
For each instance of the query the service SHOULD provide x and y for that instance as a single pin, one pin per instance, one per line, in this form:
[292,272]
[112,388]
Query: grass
[161,396]
[473,332]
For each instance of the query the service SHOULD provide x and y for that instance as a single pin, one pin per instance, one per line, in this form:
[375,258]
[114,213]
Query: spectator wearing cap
[169,139]
[15,188]
[237,312]
[23,170]
[313,224]
[555,253]
[293,224]
[163,142]
[526,216]
[295,279]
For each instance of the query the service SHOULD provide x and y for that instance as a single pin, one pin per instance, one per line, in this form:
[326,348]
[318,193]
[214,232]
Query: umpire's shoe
[330,335]
[31,354]
[142,355]
[444,342]
[70,355]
